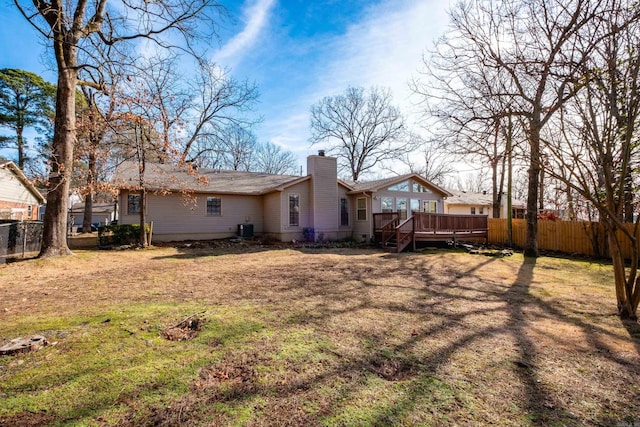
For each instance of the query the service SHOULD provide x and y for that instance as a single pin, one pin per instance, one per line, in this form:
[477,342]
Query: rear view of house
[211,204]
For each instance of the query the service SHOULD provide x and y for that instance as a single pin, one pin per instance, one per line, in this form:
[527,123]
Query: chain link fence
[19,238]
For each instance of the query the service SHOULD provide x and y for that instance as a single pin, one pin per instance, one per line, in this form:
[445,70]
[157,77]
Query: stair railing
[404,233]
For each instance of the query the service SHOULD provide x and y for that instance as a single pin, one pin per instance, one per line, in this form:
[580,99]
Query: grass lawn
[308,337]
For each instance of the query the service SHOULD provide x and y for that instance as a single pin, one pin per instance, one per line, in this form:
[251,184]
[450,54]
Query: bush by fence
[572,237]
[119,234]
[20,237]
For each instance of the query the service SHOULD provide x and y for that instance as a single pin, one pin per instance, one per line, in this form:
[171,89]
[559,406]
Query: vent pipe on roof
[321,153]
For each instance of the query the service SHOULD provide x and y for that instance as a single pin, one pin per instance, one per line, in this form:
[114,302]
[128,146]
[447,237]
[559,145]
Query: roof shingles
[163,177]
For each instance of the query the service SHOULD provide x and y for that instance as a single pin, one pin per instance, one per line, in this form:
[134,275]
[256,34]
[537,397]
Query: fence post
[24,238]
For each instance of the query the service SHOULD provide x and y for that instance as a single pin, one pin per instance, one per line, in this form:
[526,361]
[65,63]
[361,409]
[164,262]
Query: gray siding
[362,230]
[272,212]
[177,218]
[293,232]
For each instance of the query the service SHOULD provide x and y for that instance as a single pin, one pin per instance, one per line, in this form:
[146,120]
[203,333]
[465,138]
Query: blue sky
[296,51]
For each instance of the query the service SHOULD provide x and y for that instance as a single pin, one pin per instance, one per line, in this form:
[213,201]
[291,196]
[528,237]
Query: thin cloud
[384,48]
[255,18]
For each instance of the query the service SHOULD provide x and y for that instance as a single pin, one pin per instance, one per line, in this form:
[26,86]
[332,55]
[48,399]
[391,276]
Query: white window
[386,204]
[401,186]
[401,207]
[214,206]
[429,206]
[133,204]
[344,212]
[294,210]
[419,188]
[361,214]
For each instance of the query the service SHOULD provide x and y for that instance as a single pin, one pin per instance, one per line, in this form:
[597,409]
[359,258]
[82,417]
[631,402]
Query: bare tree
[475,182]
[361,128]
[238,146]
[69,27]
[595,145]
[522,53]
[430,160]
[272,159]
[218,102]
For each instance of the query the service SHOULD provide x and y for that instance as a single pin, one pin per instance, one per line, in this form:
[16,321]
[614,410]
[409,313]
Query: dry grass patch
[316,337]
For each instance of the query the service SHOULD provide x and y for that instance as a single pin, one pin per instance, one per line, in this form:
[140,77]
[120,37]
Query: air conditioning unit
[245,230]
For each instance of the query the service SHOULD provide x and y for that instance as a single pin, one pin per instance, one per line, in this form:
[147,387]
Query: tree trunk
[570,204]
[495,202]
[20,144]
[531,242]
[54,238]
[88,211]
[626,309]
[628,196]
[88,199]
[143,218]
[142,165]
[541,191]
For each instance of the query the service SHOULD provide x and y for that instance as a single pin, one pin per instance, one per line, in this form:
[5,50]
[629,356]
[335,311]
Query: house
[467,202]
[210,204]
[19,199]
[102,214]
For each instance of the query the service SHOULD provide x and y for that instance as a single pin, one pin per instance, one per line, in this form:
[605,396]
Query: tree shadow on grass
[199,249]
[444,313]
[392,350]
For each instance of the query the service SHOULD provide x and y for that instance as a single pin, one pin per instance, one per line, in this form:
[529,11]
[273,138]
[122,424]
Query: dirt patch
[392,369]
[186,329]
[26,419]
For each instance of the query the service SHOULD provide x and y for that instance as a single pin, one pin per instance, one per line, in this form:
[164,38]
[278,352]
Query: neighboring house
[466,202]
[19,199]
[211,204]
[102,214]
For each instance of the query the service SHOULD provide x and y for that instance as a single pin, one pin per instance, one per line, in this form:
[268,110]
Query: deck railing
[380,220]
[423,226]
[445,223]
[433,222]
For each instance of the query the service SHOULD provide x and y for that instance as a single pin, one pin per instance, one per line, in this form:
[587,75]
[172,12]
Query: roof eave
[25,181]
[286,185]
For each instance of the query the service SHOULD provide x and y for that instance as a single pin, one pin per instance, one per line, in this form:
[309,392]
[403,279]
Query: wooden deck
[396,235]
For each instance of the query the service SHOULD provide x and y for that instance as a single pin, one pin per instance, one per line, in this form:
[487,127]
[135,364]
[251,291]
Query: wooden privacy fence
[572,237]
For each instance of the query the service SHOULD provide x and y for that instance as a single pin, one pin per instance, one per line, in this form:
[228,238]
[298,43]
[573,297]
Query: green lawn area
[293,336]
